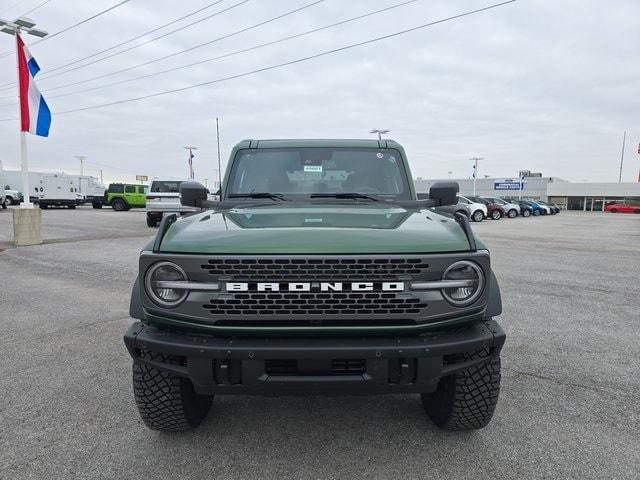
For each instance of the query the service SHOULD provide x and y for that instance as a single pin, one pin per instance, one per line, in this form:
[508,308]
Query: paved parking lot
[570,389]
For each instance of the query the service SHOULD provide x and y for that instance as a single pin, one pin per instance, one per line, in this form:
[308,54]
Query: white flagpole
[24,161]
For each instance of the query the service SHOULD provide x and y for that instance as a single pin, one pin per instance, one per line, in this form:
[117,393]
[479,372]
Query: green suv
[123,196]
[318,271]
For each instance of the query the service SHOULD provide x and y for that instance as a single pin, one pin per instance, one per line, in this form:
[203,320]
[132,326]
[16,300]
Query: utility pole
[82,158]
[101,176]
[475,161]
[380,132]
[14,28]
[624,139]
[190,160]
[219,168]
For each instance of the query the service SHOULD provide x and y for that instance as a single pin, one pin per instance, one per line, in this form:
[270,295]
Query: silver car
[511,210]
[478,210]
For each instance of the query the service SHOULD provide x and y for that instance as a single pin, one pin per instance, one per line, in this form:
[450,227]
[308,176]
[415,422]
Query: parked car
[164,197]
[511,210]
[123,196]
[538,208]
[551,209]
[494,211]
[478,210]
[11,197]
[526,209]
[555,206]
[451,210]
[622,207]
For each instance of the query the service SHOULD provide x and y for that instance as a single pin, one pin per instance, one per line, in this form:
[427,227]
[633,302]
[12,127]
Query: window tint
[142,189]
[166,187]
[130,189]
[116,188]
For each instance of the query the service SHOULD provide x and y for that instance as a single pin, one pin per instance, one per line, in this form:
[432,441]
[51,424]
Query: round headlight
[464,295]
[157,281]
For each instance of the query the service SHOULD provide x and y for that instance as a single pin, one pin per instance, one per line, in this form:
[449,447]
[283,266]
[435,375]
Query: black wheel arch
[135,304]
[494,305]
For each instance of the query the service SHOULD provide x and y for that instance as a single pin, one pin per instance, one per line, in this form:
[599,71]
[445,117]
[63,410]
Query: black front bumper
[248,365]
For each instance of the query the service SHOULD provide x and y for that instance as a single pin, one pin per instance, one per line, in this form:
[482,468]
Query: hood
[315,229]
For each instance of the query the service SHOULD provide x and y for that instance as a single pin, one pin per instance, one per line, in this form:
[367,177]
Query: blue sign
[507,185]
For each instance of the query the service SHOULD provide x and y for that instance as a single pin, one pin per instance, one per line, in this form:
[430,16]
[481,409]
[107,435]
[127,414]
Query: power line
[283,64]
[226,55]
[190,49]
[222,37]
[12,6]
[35,8]
[133,39]
[70,27]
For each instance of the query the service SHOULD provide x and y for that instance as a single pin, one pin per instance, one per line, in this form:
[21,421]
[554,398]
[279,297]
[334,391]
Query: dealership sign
[508,184]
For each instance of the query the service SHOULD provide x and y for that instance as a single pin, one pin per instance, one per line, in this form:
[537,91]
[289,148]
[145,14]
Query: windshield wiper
[272,196]
[352,195]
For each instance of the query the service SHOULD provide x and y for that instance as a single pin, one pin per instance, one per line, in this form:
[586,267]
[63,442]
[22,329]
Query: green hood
[315,229]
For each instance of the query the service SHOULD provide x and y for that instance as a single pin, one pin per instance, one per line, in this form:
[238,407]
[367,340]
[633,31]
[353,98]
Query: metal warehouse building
[535,187]
[592,196]
[571,196]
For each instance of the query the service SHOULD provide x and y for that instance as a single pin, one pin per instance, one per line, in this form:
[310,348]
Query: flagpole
[24,161]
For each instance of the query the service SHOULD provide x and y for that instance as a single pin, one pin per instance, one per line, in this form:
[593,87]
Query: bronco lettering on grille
[314,286]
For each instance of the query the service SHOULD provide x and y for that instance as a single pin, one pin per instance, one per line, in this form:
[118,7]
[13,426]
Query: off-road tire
[465,400]
[119,205]
[526,213]
[477,216]
[165,401]
[512,213]
[496,215]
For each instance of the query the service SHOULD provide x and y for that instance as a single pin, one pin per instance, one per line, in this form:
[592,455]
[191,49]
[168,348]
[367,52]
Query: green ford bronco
[319,271]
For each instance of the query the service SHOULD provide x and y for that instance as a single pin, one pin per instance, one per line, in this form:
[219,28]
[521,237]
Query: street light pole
[624,139]
[191,149]
[82,159]
[14,28]
[475,161]
[380,132]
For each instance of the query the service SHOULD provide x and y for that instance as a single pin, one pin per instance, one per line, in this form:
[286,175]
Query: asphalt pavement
[569,405]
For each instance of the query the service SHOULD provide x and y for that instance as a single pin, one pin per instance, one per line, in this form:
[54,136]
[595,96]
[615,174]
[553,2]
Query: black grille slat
[335,269]
[316,304]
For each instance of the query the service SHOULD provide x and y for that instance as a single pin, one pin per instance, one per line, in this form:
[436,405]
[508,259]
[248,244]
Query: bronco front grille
[345,268]
[293,303]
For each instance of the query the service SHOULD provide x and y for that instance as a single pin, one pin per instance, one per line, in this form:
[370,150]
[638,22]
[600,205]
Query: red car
[622,208]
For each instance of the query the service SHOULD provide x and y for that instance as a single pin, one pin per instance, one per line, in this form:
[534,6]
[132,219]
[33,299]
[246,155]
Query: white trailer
[57,190]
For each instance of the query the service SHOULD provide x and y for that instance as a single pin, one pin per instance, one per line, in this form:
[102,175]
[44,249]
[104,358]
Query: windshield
[300,173]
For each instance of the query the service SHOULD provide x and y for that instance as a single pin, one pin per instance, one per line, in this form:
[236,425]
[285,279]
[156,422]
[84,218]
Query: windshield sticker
[380,155]
[313,168]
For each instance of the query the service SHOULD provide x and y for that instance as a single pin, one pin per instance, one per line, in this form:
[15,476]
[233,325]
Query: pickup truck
[164,198]
[318,271]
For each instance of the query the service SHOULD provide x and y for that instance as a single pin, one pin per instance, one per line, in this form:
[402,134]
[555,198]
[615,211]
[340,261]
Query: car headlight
[471,274]
[158,282]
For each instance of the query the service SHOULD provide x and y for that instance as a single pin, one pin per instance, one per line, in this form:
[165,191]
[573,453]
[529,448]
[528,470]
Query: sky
[536,84]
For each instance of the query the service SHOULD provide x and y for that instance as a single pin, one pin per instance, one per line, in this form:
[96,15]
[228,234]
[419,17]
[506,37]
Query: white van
[56,190]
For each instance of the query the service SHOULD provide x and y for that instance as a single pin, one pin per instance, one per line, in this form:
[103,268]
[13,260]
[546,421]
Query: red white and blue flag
[35,116]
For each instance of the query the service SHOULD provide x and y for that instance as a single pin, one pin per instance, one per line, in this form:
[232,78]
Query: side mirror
[192,194]
[444,193]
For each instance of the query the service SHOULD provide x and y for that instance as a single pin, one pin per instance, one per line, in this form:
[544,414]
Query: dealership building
[586,196]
